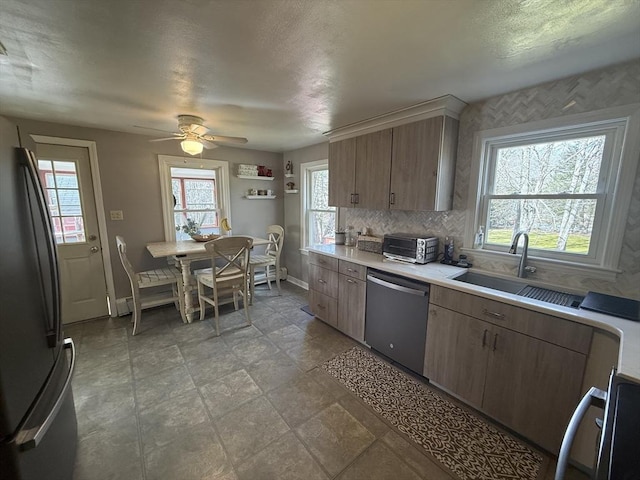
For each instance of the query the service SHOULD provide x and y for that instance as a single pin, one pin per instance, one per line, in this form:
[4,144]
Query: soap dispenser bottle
[478,240]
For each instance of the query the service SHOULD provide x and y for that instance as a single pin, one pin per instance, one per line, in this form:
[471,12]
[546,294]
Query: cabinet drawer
[564,333]
[323,260]
[353,270]
[323,280]
[324,307]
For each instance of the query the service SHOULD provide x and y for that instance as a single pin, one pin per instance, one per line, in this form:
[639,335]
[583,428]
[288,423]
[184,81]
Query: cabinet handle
[350,281]
[484,338]
[351,270]
[320,306]
[493,314]
[495,342]
[392,198]
[353,198]
[321,281]
[357,198]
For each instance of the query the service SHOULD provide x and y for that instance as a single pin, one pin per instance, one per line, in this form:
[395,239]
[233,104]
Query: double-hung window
[195,195]
[319,219]
[561,185]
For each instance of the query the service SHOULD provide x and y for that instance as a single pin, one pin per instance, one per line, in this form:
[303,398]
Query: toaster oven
[409,247]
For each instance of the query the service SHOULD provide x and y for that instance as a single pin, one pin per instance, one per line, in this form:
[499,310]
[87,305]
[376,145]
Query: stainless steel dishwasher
[396,318]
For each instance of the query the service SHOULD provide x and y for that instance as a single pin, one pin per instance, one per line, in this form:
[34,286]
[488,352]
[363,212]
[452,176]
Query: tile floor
[177,402]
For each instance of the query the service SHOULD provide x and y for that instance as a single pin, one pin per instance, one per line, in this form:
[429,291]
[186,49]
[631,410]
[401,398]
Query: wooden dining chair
[271,258]
[147,279]
[229,274]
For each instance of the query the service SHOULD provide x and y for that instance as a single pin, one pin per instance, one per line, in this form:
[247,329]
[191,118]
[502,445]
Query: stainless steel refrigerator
[38,429]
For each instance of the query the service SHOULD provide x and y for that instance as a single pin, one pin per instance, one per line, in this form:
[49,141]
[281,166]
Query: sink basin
[502,284]
[521,288]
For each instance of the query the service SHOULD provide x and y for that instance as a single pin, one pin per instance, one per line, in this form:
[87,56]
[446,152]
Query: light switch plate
[116,215]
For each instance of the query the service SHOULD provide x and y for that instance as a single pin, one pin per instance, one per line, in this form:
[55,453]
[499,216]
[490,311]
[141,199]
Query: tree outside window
[548,189]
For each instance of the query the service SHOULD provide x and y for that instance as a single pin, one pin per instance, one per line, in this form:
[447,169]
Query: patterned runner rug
[467,445]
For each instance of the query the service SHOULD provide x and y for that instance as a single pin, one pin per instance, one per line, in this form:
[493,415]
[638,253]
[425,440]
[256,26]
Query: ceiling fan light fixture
[192,147]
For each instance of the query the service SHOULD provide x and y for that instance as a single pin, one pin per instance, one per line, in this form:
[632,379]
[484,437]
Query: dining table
[183,253]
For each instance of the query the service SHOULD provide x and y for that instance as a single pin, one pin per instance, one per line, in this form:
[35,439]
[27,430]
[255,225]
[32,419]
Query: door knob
[94,249]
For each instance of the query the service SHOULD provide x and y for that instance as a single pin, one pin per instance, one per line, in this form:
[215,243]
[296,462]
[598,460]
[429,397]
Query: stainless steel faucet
[523,269]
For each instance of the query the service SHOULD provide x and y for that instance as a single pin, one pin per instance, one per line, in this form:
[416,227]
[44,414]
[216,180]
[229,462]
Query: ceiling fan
[193,135]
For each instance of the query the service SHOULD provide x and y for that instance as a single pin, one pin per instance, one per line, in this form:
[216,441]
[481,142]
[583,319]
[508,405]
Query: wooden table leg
[189,286]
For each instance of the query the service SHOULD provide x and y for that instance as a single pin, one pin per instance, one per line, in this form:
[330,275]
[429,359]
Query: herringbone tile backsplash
[613,86]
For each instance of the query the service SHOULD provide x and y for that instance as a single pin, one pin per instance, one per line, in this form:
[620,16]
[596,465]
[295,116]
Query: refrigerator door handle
[31,438]
[53,327]
[594,397]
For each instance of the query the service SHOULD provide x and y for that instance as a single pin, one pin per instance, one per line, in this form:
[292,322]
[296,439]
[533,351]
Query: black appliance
[396,318]
[38,429]
[618,451]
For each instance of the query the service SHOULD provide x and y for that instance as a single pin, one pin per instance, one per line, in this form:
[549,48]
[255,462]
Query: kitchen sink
[521,288]
[496,283]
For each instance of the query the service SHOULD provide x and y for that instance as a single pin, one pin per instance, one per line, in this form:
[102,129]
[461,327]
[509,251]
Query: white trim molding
[446,105]
[165,162]
[97,195]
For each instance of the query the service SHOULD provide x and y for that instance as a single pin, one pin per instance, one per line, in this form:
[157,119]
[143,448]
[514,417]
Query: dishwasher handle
[595,397]
[400,288]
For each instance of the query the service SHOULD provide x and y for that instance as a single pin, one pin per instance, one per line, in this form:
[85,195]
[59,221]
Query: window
[196,199]
[194,191]
[60,181]
[559,184]
[319,219]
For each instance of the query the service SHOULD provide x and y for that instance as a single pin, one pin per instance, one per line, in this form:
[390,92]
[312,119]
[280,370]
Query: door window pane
[62,193]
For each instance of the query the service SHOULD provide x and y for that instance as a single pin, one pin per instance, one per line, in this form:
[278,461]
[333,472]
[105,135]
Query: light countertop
[438,274]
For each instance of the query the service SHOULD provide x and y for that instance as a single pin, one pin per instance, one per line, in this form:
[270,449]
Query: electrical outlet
[116,215]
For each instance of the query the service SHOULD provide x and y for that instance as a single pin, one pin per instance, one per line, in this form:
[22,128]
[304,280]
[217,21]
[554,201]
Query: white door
[66,176]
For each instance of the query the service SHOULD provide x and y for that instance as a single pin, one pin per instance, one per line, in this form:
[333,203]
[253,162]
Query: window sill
[304,251]
[547,265]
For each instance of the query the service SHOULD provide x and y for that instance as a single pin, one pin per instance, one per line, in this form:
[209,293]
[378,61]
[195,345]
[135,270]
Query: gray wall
[613,86]
[294,261]
[130,181]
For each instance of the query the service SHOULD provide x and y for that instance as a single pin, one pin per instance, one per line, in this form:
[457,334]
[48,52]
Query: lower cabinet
[352,295]
[528,384]
[337,293]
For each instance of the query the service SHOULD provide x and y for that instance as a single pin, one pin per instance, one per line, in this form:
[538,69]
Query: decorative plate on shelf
[204,238]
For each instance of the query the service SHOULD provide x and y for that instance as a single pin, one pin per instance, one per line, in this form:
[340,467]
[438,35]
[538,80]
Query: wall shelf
[260,197]
[256,177]
[289,175]
[291,191]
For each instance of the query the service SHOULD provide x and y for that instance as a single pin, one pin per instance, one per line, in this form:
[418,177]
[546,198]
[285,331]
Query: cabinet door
[342,171]
[324,307]
[455,353]
[373,170]
[414,165]
[351,307]
[532,386]
[323,280]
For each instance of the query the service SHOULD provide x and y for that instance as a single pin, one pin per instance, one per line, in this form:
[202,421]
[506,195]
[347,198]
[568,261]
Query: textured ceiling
[282,72]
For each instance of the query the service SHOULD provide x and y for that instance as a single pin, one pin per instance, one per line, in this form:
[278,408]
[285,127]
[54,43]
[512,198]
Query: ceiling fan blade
[151,128]
[164,139]
[225,139]
[198,129]
[207,144]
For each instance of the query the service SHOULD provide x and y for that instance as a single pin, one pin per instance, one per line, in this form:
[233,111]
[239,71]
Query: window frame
[305,176]
[223,185]
[622,124]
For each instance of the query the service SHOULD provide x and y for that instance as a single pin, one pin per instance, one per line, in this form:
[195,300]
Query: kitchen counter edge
[438,274]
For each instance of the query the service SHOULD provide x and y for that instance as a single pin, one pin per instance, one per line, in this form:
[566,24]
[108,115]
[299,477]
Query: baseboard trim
[298,282]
